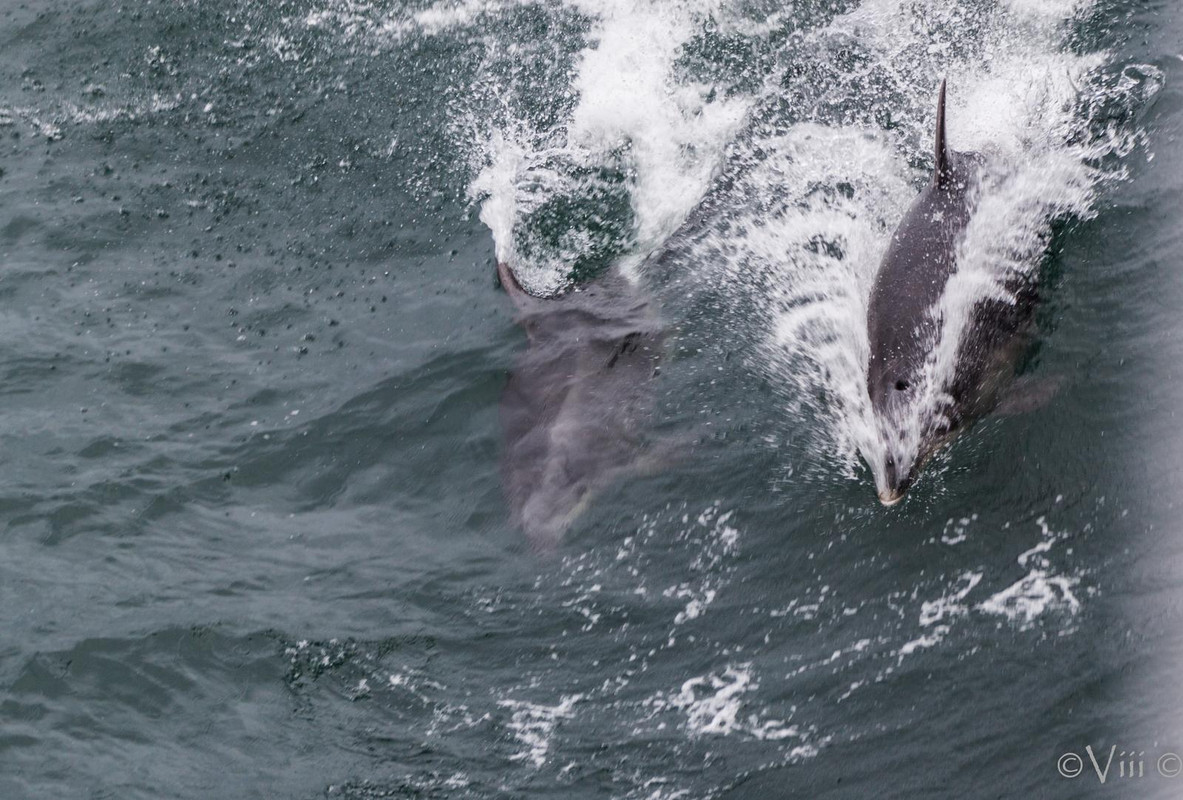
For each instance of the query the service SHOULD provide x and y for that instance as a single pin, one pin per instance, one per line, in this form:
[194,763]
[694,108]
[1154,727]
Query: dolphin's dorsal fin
[509,282]
[944,168]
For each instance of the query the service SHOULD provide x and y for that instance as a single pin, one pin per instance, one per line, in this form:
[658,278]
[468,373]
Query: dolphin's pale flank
[573,410]
[913,416]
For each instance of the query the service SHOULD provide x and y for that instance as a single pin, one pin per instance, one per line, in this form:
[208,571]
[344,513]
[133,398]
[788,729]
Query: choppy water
[253,539]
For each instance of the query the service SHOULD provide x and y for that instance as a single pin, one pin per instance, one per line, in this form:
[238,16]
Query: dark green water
[253,542]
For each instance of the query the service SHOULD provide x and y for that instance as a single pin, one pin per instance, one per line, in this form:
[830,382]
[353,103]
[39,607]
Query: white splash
[1040,591]
[628,92]
[533,725]
[950,605]
[379,24]
[714,705]
[956,531]
[837,190]
[939,615]
[635,112]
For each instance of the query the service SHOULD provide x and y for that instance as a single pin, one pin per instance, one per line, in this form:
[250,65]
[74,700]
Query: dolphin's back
[572,412]
[901,323]
[920,259]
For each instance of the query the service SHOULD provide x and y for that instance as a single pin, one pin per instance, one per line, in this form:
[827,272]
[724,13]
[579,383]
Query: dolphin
[913,414]
[573,409]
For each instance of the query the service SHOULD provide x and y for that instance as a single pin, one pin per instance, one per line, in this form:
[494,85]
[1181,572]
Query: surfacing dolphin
[915,411]
[573,409]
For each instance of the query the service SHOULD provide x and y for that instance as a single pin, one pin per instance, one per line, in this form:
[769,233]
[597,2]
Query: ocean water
[253,542]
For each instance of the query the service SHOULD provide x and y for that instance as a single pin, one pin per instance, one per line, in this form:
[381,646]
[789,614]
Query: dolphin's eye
[901,386]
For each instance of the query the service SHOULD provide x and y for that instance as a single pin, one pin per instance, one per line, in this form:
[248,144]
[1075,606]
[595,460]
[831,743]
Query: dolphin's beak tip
[889,499]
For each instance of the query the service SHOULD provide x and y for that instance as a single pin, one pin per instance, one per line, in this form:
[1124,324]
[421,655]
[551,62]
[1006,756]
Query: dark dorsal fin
[509,283]
[944,168]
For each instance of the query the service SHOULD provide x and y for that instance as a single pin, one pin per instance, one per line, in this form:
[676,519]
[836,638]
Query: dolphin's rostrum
[573,410]
[915,410]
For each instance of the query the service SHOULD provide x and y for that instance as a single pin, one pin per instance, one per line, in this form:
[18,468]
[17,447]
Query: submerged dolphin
[915,416]
[574,404]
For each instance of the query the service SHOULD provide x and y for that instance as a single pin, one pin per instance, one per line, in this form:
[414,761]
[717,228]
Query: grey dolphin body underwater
[915,411]
[573,409]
